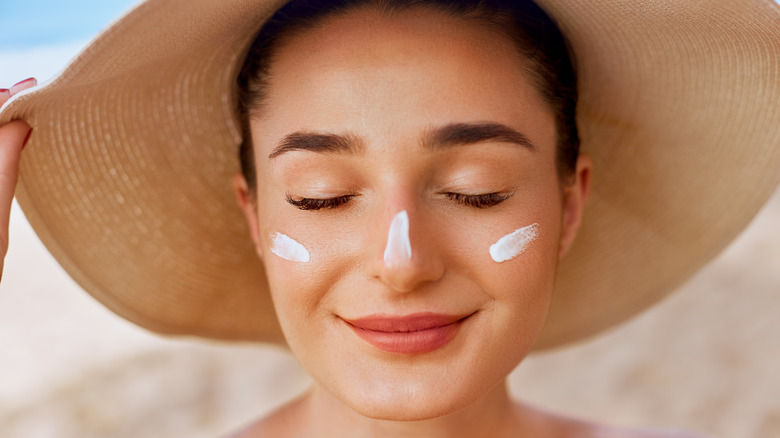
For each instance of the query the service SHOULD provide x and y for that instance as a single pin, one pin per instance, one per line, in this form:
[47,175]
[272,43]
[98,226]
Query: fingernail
[26,139]
[35,82]
[5,92]
[27,83]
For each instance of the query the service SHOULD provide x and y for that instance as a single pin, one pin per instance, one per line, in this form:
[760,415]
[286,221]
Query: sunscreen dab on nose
[287,248]
[513,244]
[399,248]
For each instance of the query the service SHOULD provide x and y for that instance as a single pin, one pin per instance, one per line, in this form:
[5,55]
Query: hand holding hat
[13,138]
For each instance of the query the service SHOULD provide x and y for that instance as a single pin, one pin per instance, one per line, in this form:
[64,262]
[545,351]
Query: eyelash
[319,204]
[477,201]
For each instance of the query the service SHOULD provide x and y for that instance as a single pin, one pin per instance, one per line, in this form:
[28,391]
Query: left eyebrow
[318,142]
[459,134]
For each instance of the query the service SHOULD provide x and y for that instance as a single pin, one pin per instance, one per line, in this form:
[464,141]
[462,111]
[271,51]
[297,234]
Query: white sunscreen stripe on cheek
[399,248]
[287,248]
[513,244]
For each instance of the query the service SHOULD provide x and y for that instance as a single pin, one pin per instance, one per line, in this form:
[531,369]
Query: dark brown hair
[535,35]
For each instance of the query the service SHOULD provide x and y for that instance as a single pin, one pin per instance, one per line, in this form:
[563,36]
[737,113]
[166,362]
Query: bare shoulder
[259,428]
[601,431]
[553,424]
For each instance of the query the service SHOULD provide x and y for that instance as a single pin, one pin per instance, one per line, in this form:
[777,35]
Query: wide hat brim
[126,178]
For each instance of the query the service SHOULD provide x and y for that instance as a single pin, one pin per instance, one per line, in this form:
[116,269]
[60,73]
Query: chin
[404,409]
[410,399]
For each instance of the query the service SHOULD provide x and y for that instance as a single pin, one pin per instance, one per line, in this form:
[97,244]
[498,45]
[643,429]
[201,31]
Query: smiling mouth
[411,334]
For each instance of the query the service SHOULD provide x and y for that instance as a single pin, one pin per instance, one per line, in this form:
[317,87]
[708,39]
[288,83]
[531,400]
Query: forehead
[418,65]
[382,34]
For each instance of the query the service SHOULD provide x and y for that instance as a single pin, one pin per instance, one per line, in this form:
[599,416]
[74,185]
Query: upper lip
[404,323]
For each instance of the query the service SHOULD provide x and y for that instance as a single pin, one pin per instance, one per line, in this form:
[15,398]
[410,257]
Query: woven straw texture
[127,176]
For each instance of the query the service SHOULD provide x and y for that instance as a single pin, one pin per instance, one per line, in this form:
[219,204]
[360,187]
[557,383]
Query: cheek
[304,263]
[520,292]
[520,286]
[517,247]
[513,244]
[519,267]
[287,248]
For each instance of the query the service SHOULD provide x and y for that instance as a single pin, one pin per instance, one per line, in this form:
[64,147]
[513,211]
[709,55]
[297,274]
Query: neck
[492,415]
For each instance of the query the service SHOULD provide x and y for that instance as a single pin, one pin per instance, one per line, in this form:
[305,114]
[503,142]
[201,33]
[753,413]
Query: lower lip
[416,342]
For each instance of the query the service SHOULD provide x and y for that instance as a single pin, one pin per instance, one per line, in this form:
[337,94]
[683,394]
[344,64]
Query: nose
[398,249]
[410,257]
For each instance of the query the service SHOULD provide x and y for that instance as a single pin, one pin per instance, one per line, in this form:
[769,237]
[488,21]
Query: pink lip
[411,334]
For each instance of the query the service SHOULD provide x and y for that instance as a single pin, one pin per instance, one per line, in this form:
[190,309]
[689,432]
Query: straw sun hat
[127,175]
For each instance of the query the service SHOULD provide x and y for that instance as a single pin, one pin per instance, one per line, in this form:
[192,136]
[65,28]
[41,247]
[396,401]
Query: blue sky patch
[32,23]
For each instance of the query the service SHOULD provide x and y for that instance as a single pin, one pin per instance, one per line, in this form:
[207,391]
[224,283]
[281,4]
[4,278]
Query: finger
[12,139]
[23,85]
[5,94]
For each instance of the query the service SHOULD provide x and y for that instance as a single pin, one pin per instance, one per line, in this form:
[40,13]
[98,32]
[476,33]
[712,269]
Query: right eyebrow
[458,134]
[316,142]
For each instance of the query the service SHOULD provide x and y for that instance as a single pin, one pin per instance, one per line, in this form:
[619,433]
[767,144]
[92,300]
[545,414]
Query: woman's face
[429,126]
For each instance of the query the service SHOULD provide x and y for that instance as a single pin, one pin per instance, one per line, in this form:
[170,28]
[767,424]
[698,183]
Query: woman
[410,183]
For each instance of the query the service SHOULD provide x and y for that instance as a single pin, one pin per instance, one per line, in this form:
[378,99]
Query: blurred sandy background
[707,359]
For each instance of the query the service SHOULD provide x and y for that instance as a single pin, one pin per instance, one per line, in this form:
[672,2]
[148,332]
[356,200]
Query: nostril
[399,247]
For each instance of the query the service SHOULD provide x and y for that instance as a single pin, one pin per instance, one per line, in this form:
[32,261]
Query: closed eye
[479,201]
[319,203]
